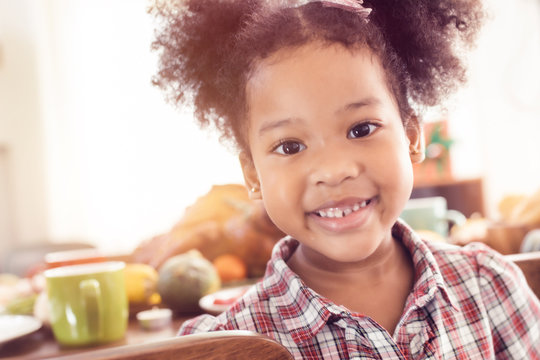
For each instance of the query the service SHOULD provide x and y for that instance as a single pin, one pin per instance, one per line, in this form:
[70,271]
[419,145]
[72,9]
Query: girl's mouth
[342,211]
[343,216]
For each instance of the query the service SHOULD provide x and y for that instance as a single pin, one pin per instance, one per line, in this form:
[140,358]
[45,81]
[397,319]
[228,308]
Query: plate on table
[221,300]
[15,326]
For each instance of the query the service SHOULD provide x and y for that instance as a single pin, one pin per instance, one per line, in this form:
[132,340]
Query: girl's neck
[322,274]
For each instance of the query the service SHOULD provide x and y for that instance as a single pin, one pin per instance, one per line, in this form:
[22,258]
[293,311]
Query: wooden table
[42,345]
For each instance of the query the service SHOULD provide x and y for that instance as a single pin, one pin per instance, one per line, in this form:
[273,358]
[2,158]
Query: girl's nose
[334,167]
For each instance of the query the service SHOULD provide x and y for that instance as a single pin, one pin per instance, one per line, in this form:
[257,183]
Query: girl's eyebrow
[269,125]
[358,104]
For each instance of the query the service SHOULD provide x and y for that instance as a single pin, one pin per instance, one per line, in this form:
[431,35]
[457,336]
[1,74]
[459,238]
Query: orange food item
[223,221]
[230,267]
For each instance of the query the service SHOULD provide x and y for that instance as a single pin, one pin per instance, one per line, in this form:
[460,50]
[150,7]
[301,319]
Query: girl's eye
[289,147]
[361,130]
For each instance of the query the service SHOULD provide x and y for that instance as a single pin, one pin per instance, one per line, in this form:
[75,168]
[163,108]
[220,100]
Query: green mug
[88,303]
[431,213]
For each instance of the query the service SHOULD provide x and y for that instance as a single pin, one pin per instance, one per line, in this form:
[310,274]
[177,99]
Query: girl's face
[329,152]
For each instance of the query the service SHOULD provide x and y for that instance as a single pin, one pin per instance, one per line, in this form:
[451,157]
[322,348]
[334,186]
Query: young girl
[322,99]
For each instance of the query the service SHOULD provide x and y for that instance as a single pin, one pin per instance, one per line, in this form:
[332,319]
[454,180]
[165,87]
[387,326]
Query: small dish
[155,318]
[15,326]
[221,300]
[531,241]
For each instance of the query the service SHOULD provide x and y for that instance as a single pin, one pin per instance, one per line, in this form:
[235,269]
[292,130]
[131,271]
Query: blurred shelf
[464,195]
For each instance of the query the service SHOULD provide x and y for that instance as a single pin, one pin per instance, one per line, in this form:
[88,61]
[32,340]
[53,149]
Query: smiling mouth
[342,211]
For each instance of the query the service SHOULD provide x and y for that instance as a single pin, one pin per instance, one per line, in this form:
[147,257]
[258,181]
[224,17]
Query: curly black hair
[208,48]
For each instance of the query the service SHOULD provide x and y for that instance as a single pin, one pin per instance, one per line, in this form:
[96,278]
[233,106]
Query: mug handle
[455,217]
[91,298]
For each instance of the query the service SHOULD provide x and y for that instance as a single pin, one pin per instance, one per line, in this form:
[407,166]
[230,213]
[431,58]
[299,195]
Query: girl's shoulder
[486,287]
[247,313]
[478,268]
[475,257]
[475,254]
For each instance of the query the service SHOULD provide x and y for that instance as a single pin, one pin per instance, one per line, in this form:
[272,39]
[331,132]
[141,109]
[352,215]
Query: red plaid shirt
[467,303]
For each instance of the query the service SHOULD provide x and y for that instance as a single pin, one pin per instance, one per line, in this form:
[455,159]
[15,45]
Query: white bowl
[154,319]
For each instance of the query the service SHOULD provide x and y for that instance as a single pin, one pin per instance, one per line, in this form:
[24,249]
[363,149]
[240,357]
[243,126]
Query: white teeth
[339,213]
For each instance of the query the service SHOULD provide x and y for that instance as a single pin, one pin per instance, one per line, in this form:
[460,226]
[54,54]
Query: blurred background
[90,151]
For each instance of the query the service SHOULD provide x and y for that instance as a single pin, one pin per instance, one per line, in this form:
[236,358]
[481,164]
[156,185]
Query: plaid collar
[304,312]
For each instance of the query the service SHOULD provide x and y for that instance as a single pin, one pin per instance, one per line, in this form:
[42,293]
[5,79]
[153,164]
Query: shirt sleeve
[513,309]
[199,324]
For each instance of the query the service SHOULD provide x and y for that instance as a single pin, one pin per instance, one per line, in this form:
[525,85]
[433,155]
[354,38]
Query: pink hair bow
[349,5]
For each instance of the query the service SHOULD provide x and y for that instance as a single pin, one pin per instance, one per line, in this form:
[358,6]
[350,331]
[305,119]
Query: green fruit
[184,279]
[22,306]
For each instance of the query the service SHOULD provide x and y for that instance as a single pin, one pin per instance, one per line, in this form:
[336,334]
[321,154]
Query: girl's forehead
[312,60]
[317,64]
[313,50]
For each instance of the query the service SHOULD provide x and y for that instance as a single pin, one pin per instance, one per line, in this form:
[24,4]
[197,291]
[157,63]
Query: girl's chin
[341,251]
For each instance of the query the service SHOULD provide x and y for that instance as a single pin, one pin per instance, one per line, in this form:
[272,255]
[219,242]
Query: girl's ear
[250,176]
[415,134]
